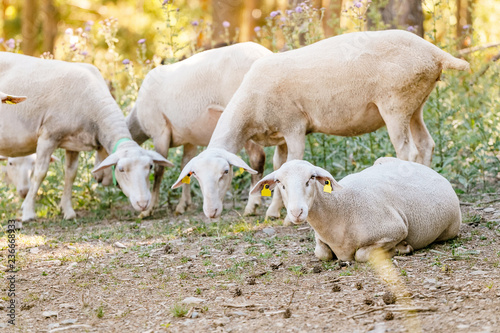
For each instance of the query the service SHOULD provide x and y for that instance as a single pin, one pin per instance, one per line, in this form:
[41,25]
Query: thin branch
[478,48]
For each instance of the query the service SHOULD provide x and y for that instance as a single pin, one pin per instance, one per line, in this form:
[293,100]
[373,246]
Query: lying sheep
[18,172]
[395,205]
[180,104]
[70,107]
[345,85]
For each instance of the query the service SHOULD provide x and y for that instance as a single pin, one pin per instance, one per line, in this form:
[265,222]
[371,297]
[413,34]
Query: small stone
[69,321]
[251,281]
[52,326]
[389,316]
[359,285]
[368,301]
[269,231]
[344,263]
[389,298]
[287,314]
[479,272]
[489,210]
[317,269]
[237,292]
[195,314]
[462,326]
[336,288]
[239,313]
[192,300]
[34,250]
[67,306]
[119,245]
[71,247]
[48,314]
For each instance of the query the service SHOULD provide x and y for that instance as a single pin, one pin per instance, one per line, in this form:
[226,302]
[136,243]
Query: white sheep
[18,171]
[180,104]
[345,85]
[395,205]
[70,107]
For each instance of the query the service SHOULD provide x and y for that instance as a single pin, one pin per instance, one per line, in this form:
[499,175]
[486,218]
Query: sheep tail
[450,62]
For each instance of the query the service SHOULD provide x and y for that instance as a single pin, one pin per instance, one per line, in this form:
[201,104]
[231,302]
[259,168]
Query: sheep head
[132,168]
[213,170]
[299,182]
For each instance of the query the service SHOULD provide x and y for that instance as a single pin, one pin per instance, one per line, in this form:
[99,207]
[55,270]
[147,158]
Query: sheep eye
[226,172]
[150,166]
[10,163]
[120,168]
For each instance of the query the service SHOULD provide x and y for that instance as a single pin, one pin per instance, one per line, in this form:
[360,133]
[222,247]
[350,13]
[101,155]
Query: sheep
[179,104]
[395,205]
[69,107]
[18,172]
[345,85]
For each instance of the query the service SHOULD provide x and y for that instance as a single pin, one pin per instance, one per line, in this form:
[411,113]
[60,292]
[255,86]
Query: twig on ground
[433,309]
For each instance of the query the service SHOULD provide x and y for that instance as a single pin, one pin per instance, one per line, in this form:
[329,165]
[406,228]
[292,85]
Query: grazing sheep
[180,104]
[69,107]
[345,85]
[395,205]
[18,172]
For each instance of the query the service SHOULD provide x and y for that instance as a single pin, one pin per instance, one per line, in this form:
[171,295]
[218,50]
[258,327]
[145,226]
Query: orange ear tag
[327,188]
[266,192]
[186,179]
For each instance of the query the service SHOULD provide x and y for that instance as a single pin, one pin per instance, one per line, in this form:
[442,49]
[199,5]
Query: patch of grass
[179,310]
[100,311]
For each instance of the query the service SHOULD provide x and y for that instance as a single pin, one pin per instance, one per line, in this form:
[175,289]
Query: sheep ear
[267,180]
[160,160]
[9,99]
[322,175]
[108,161]
[238,162]
[188,169]
[3,158]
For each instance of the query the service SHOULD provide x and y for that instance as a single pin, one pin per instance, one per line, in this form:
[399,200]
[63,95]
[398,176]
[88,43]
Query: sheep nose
[296,213]
[23,193]
[143,204]
[214,215]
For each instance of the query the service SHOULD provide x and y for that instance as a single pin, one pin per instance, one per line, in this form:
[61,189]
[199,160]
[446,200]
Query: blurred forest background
[125,39]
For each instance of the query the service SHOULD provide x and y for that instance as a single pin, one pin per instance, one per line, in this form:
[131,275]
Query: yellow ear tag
[186,180]
[327,188]
[242,170]
[9,102]
[266,192]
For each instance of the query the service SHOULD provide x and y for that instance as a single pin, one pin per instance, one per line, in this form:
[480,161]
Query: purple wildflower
[1,40]
[195,23]
[275,13]
[90,22]
[283,19]
[466,27]
[11,43]
[358,4]
[226,24]
[141,41]
[126,61]
[411,28]
[257,29]
[69,32]
[166,2]
[289,12]
[84,53]
[299,9]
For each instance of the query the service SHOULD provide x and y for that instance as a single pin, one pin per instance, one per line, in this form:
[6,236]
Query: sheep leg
[162,144]
[71,168]
[185,200]
[423,140]
[364,254]
[44,150]
[257,161]
[400,134]
[322,251]
[279,159]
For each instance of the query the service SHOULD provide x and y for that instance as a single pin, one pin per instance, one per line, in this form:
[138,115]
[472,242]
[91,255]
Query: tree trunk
[331,19]
[407,15]
[49,19]
[226,11]
[464,22]
[248,22]
[28,29]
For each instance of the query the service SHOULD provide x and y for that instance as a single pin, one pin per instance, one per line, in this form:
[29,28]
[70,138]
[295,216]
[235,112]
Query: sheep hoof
[70,215]
[18,225]
[145,214]
[287,222]
[250,210]
[181,208]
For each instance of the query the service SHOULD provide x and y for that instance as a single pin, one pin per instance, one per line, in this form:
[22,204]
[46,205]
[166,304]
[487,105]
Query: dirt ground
[179,274]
